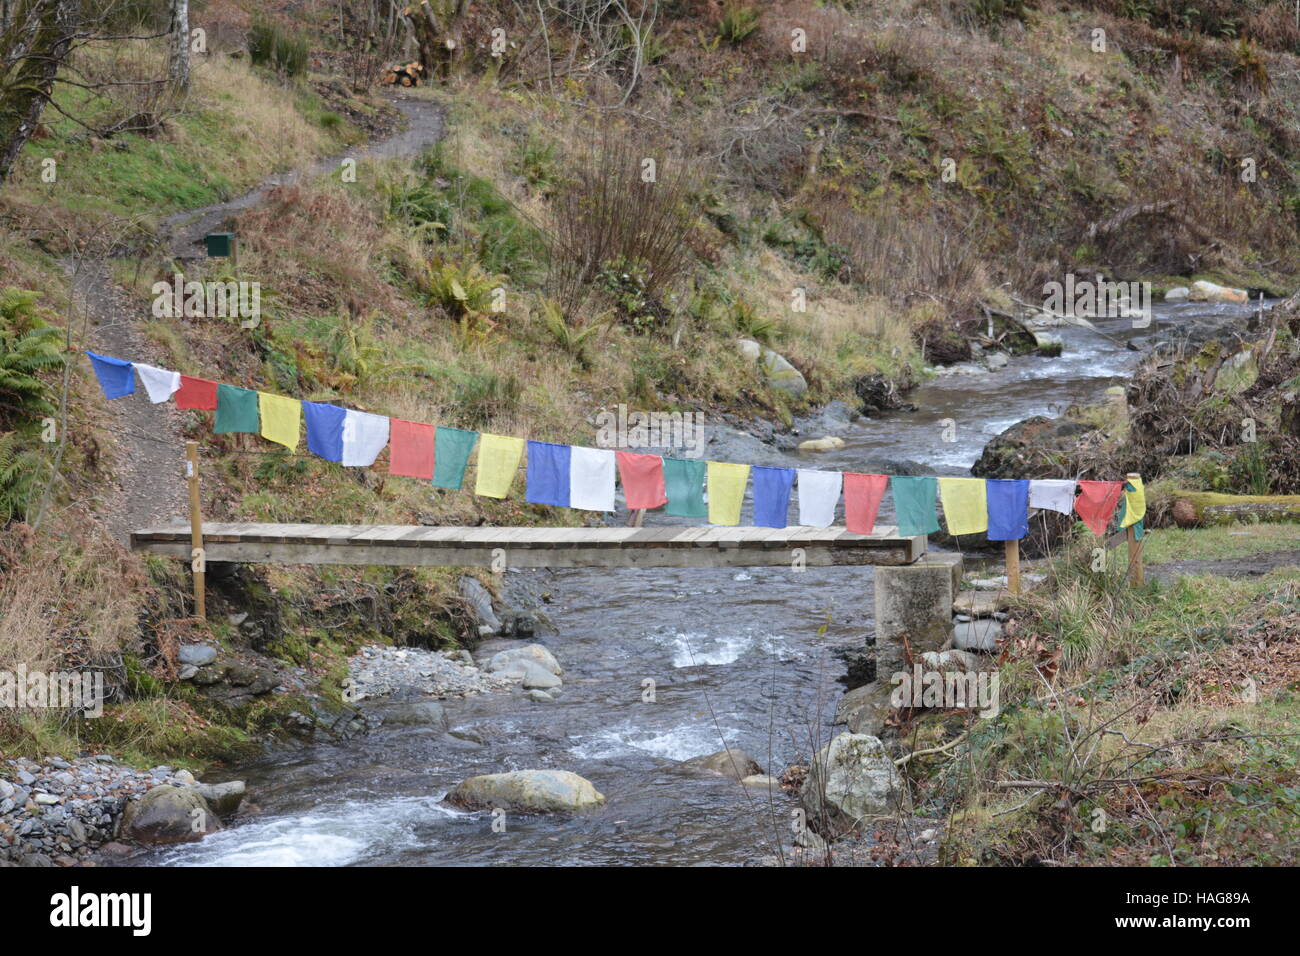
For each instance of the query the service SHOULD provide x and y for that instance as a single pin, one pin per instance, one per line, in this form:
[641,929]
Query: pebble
[377,670]
[59,811]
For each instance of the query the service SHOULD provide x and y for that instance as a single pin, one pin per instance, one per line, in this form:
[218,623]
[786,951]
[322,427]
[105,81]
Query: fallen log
[1192,509]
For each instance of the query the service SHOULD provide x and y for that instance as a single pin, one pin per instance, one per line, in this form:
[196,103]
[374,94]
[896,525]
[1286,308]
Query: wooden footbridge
[527,547]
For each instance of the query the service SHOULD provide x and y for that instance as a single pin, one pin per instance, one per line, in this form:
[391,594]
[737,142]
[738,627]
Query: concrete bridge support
[912,600]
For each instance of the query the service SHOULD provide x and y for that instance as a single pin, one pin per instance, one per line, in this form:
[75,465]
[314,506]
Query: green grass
[1164,545]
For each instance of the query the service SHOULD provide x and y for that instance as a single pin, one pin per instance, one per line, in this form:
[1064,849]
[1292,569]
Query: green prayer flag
[684,486]
[236,410]
[451,451]
[914,504]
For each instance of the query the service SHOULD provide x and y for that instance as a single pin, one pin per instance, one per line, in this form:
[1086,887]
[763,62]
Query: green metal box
[219,243]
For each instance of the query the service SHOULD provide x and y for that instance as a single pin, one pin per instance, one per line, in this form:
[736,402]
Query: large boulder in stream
[1037,447]
[527,791]
[169,814]
[851,779]
[732,762]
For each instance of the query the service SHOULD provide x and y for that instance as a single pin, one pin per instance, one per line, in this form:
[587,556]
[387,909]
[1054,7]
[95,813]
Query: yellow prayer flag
[965,505]
[498,460]
[280,419]
[1135,503]
[726,484]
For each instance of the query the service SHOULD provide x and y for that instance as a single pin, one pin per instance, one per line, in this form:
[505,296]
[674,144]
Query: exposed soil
[1249,566]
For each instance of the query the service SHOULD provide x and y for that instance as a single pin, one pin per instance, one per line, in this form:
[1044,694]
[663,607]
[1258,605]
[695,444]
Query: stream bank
[749,659]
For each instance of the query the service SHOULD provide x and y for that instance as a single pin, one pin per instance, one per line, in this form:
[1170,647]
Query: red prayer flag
[1096,502]
[197,393]
[643,480]
[862,494]
[410,449]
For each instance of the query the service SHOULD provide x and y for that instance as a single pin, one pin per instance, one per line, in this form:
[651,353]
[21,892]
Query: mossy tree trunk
[32,48]
[1201,508]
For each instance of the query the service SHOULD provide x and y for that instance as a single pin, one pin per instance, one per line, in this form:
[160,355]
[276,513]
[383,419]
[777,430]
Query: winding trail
[146,439]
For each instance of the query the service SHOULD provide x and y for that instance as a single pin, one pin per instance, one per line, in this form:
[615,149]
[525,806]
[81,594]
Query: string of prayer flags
[772,495]
[862,496]
[591,479]
[324,429]
[1096,503]
[158,382]
[914,499]
[197,393]
[115,375]
[236,410]
[281,418]
[498,460]
[410,449]
[1135,502]
[1008,506]
[819,493]
[364,437]
[684,481]
[548,474]
[965,506]
[726,483]
[453,447]
[1053,494]
[643,480]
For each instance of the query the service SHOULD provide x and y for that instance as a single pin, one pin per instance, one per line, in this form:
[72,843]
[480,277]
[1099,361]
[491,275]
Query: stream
[739,657]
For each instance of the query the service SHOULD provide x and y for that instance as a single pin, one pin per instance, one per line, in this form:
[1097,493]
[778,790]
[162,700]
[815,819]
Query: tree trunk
[31,51]
[1202,508]
[178,66]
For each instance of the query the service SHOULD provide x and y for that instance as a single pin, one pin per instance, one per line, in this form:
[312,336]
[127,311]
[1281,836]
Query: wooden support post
[636,518]
[1013,566]
[197,560]
[1135,575]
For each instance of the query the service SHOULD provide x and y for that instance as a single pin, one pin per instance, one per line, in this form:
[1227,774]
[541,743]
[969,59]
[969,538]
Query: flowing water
[738,658]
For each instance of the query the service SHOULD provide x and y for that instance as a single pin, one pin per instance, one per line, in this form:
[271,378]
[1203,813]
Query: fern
[29,347]
[23,468]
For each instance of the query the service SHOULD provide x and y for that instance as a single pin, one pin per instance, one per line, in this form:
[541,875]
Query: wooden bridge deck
[412,545]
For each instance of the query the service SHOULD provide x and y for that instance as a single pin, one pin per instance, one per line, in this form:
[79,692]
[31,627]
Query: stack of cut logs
[403,74]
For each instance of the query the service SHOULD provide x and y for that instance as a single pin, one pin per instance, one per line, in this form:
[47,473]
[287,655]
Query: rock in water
[732,762]
[1178,293]
[224,798]
[527,791]
[514,659]
[415,713]
[1203,291]
[169,814]
[851,778]
[829,443]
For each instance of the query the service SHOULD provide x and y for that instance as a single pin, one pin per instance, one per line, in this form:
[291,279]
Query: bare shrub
[898,254]
[616,209]
[131,92]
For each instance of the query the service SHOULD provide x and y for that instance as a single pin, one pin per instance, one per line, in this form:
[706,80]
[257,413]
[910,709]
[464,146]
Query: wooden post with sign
[1135,575]
[197,565]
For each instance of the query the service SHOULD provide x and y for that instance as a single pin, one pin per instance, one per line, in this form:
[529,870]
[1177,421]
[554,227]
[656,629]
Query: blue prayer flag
[116,376]
[548,474]
[1008,503]
[324,429]
[771,495]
